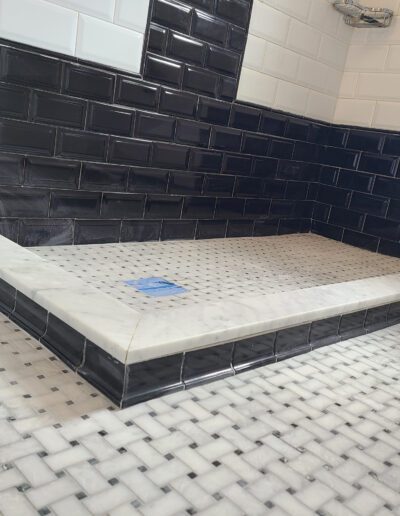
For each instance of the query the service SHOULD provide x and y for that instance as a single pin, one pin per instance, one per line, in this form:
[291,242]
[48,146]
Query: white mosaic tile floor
[214,270]
[316,434]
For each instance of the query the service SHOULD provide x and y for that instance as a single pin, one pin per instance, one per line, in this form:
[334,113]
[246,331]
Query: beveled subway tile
[80,144]
[98,176]
[11,169]
[178,103]
[37,232]
[178,230]
[64,341]
[140,230]
[97,231]
[110,120]
[147,180]
[7,297]
[209,28]
[171,14]
[14,101]
[50,172]
[253,352]
[29,315]
[82,81]
[136,93]
[129,152]
[205,364]
[58,110]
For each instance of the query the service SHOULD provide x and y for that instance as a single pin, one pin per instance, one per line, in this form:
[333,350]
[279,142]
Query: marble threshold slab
[132,337]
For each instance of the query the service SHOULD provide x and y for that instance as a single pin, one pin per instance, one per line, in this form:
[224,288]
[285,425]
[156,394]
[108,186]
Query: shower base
[142,319]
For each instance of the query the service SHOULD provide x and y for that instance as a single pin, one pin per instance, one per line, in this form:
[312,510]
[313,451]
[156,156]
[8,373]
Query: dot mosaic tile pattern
[316,434]
[213,270]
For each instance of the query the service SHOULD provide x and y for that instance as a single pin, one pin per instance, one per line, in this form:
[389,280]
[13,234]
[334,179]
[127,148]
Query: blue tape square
[156,287]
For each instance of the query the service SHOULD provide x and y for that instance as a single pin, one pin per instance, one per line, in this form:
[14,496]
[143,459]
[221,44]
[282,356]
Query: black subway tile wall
[89,154]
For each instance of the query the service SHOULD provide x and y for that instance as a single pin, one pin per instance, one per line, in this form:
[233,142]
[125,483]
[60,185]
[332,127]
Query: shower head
[360,16]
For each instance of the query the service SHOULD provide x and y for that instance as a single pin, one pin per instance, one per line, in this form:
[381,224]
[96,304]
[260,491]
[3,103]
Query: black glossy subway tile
[9,228]
[265,167]
[215,184]
[332,195]
[328,175]
[37,232]
[129,152]
[229,208]
[304,209]
[81,144]
[178,230]
[281,208]
[324,332]
[376,318]
[27,137]
[75,204]
[58,110]
[157,39]
[249,187]
[64,341]
[192,133]
[222,60]
[31,316]
[393,211]
[200,81]
[382,165]
[389,248]
[244,117]
[328,135]
[205,161]
[352,325]
[256,208]
[265,228]
[297,129]
[387,187]
[321,212]
[163,70]
[393,315]
[14,101]
[31,69]
[292,341]
[371,204]
[185,183]
[225,139]
[338,157]
[209,28]
[140,230]
[237,165]
[122,205]
[24,202]
[206,364]
[346,218]
[211,229]
[52,173]
[97,176]
[213,111]
[178,103]
[82,81]
[308,152]
[355,181]
[327,230]
[147,180]
[136,93]
[163,207]
[365,140]
[282,149]
[154,127]
[392,145]
[170,156]
[296,190]
[274,189]
[7,297]
[237,39]
[380,227]
[152,378]
[97,231]
[360,240]
[236,11]
[254,352]
[11,169]
[227,88]
[205,5]
[273,123]
[172,14]
[110,120]
[186,49]
[239,228]
[198,208]
[252,144]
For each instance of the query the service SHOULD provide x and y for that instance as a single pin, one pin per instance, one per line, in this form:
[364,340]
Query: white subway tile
[109,44]
[254,53]
[280,62]
[324,18]
[291,97]
[366,57]
[268,23]
[384,86]
[312,74]
[348,84]
[257,87]
[354,112]
[299,9]
[132,14]
[303,39]
[333,81]
[333,52]
[100,8]
[387,115]
[393,59]
[320,106]
[39,23]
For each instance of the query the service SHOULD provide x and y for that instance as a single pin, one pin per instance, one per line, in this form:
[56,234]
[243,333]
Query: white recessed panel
[39,23]
[132,14]
[110,44]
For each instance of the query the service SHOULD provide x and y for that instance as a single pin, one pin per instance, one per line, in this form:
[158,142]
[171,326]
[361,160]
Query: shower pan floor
[217,306]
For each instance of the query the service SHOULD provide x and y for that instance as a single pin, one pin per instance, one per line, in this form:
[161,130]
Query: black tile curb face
[129,384]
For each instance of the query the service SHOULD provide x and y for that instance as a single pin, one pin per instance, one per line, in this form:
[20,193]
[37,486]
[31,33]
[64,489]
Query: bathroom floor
[315,434]
[214,270]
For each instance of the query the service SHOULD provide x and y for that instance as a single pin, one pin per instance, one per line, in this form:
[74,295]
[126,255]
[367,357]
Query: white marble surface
[131,335]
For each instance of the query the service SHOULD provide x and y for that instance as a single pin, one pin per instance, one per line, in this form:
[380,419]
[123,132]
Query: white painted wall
[295,57]
[370,92]
[109,32]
